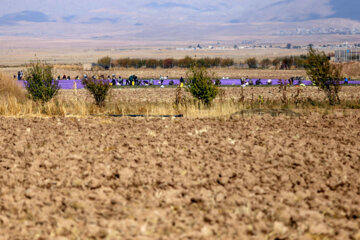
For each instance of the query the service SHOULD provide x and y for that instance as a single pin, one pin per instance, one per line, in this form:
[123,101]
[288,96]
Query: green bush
[323,74]
[200,85]
[98,88]
[40,83]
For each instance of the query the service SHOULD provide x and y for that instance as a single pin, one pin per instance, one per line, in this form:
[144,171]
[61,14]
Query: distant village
[251,44]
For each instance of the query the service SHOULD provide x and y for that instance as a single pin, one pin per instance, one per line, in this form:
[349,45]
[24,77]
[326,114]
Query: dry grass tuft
[10,87]
[352,69]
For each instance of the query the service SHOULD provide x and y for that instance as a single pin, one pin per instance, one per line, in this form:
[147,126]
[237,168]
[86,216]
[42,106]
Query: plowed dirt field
[251,177]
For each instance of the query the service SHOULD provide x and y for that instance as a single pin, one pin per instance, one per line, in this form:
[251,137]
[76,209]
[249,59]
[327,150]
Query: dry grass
[352,69]
[10,87]
[224,108]
[11,106]
[13,102]
[68,67]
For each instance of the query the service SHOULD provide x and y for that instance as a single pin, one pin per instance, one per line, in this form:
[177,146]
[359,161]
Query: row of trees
[279,62]
[187,62]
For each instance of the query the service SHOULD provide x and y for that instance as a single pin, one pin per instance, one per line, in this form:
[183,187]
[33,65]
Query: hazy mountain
[24,16]
[175,19]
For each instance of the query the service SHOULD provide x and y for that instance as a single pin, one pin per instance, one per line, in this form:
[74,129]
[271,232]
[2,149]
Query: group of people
[64,77]
[133,80]
[19,76]
[251,82]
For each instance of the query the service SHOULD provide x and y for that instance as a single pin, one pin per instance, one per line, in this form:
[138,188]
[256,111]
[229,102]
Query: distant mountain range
[175,20]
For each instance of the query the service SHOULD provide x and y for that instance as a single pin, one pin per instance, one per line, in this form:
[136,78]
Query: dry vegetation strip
[156,101]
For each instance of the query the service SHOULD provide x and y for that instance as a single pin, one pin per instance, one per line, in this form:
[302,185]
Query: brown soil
[253,177]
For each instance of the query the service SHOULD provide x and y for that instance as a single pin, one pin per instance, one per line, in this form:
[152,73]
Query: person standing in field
[161,80]
[182,82]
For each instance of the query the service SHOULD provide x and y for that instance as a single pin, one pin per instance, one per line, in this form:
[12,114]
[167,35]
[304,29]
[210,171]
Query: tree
[323,74]
[227,62]
[286,63]
[104,62]
[40,83]
[151,63]
[168,63]
[124,62]
[265,63]
[186,62]
[200,85]
[276,62]
[252,62]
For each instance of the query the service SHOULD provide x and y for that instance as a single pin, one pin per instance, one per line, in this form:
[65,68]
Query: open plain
[268,162]
[248,177]
[89,158]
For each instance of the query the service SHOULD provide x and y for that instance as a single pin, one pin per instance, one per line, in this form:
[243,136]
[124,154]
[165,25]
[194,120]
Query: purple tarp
[69,84]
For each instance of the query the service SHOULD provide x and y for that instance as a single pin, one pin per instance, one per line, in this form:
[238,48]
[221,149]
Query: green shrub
[323,74]
[98,88]
[40,83]
[200,85]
